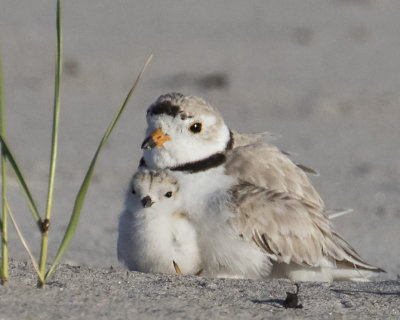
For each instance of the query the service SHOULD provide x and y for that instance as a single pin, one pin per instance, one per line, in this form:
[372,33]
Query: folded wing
[266,166]
[290,228]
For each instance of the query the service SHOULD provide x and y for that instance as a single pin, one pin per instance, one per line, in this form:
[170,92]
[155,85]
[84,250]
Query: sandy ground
[79,292]
[324,76]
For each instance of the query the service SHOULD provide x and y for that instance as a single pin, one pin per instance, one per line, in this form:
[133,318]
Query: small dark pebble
[292,299]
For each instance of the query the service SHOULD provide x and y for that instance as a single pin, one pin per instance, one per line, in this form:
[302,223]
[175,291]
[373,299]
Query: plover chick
[154,232]
[251,204]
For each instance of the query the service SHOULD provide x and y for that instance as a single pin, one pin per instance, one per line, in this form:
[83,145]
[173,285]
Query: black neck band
[212,161]
[202,165]
[229,145]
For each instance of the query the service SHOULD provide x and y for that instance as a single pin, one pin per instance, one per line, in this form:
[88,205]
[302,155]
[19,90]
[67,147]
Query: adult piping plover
[256,212]
[153,230]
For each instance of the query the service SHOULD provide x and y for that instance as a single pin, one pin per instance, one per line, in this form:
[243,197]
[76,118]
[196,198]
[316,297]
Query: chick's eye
[133,191]
[168,194]
[195,127]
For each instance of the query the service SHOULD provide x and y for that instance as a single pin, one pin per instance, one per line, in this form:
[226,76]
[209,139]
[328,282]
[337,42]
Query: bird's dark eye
[195,127]
[133,191]
[168,194]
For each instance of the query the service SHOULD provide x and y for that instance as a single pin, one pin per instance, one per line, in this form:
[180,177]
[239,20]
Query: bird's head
[182,129]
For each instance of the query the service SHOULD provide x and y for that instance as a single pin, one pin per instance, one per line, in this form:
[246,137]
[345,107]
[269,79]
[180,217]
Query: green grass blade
[21,181]
[6,151]
[3,220]
[54,143]
[80,198]
[56,112]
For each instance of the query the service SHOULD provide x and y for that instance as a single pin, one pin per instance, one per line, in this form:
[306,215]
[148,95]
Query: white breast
[223,252]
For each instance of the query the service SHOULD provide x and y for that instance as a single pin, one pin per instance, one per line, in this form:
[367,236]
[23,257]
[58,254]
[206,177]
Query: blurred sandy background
[324,75]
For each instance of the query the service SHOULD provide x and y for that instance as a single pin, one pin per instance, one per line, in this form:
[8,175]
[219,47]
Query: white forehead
[168,123]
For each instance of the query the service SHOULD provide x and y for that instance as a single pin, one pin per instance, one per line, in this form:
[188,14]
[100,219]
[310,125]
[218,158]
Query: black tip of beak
[147,202]
[148,143]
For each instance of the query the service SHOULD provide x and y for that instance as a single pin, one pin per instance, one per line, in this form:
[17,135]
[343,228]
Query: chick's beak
[156,139]
[147,202]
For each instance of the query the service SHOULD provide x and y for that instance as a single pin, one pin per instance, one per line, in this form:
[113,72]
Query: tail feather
[346,271]
[352,267]
[336,213]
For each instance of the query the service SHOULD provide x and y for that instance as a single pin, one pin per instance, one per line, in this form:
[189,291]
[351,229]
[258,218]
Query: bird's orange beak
[156,139]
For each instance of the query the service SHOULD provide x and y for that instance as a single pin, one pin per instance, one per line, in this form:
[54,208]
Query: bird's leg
[198,273]
[177,269]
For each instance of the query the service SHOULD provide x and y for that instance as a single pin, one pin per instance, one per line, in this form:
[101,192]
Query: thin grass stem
[21,180]
[3,220]
[80,198]
[35,265]
[54,144]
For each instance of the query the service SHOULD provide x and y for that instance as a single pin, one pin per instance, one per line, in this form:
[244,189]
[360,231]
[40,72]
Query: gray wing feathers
[244,139]
[266,166]
[277,207]
[289,228]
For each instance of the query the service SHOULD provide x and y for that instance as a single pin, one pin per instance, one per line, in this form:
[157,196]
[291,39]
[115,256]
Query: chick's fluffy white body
[256,212]
[151,237]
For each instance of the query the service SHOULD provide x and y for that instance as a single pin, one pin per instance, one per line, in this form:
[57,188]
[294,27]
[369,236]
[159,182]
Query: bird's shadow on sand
[353,292]
[273,302]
